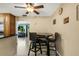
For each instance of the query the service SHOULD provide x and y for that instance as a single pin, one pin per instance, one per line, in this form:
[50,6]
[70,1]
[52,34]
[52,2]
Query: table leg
[48,50]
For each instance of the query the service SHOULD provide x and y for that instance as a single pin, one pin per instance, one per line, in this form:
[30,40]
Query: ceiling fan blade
[19,7]
[36,12]
[26,3]
[27,12]
[24,15]
[31,4]
[40,6]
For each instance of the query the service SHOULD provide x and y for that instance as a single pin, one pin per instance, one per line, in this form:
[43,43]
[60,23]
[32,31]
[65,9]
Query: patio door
[23,30]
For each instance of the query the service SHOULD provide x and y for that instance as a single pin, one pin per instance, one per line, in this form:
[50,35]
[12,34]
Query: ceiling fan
[31,8]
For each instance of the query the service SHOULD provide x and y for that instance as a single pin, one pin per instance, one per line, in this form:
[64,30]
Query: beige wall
[68,45]
[37,23]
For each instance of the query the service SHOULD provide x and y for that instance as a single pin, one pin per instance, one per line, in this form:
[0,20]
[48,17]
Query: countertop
[2,36]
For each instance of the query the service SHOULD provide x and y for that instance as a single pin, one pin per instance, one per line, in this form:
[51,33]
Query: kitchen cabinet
[9,24]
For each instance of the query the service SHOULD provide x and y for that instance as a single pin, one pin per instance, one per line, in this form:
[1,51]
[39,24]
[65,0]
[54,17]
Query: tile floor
[23,47]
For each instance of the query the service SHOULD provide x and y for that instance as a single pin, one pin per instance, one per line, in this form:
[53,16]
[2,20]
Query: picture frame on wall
[66,20]
[54,21]
[77,12]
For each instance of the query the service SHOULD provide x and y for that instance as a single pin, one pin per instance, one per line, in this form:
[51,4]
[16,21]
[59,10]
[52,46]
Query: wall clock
[60,11]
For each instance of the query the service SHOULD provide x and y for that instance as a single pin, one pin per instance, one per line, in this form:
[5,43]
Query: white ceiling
[48,10]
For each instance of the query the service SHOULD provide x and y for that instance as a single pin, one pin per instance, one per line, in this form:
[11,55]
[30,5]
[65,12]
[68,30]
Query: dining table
[45,36]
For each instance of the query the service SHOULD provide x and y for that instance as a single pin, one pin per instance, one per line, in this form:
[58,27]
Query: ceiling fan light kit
[30,9]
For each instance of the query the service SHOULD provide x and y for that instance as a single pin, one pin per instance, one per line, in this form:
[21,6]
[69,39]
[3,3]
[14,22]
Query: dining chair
[52,39]
[34,44]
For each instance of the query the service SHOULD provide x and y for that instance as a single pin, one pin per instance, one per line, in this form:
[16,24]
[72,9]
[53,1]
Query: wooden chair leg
[40,48]
[35,50]
[29,49]
[55,50]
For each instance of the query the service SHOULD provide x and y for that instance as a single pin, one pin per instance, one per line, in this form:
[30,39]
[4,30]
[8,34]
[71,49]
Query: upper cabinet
[1,24]
[9,24]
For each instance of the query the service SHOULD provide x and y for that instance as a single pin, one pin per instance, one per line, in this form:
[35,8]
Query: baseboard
[58,53]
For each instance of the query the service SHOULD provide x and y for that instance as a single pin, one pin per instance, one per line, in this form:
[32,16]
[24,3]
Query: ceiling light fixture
[30,9]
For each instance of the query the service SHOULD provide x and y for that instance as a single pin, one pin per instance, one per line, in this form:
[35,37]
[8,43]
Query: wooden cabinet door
[7,25]
[12,25]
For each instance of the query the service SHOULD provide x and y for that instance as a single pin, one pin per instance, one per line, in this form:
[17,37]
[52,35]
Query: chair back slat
[33,36]
[56,36]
